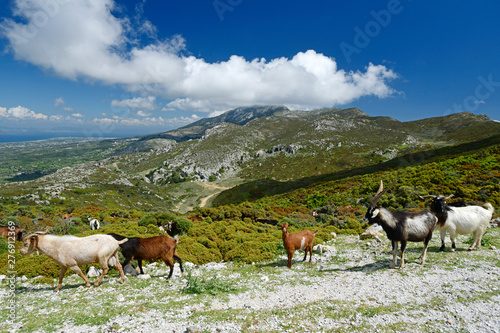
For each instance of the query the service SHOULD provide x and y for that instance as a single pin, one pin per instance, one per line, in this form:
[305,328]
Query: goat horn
[448,197]
[37,233]
[427,196]
[381,192]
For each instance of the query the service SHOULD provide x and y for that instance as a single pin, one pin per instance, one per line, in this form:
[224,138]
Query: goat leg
[61,276]
[104,272]
[305,253]
[139,262]
[120,269]
[403,248]
[290,256]
[170,264]
[394,254]
[179,260]
[443,235]
[452,238]
[477,240]
[424,252]
[78,271]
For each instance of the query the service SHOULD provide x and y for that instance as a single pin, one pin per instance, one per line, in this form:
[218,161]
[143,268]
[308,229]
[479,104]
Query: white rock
[328,249]
[144,276]
[318,249]
[93,272]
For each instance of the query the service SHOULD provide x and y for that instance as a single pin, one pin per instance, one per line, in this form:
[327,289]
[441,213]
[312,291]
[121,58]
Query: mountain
[239,116]
[242,146]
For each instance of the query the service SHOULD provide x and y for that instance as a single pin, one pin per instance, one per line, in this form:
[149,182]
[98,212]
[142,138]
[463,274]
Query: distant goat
[12,232]
[299,241]
[70,252]
[402,226]
[94,223]
[159,247]
[460,220]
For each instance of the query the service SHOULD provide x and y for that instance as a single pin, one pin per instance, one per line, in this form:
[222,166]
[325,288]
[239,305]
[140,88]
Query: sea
[37,136]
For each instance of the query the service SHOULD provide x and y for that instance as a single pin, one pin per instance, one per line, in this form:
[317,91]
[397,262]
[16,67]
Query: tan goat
[70,252]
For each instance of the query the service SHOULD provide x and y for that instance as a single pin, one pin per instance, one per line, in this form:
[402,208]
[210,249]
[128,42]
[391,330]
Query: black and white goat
[460,220]
[93,223]
[402,226]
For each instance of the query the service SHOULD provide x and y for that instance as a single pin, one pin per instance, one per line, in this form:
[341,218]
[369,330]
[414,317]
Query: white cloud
[147,103]
[21,112]
[83,39]
[141,113]
[147,121]
[58,102]
[77,115]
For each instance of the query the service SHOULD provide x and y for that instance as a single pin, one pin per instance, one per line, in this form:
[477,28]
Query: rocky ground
[347,288]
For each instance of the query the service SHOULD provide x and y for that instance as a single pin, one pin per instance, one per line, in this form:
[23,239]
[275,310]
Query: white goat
[71,251]
[94,223]
[460,220]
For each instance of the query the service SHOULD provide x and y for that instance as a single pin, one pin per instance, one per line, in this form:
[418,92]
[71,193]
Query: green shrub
[197,253]
[147,220]
[252,251]
[152,229]
[5,221]
[201,285]
[4,246]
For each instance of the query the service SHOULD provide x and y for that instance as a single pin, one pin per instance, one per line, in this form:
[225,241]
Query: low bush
[201,285]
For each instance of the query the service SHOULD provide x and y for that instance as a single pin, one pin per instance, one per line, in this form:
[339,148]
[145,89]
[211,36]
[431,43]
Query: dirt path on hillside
[217,187]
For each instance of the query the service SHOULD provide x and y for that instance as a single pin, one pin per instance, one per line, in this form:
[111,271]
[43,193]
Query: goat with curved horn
[401,226]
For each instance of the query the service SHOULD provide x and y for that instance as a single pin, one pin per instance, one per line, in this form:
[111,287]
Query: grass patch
[211,286]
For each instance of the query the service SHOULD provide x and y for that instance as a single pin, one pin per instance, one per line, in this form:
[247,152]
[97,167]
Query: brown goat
[12,232]
[300,241]
[154,248]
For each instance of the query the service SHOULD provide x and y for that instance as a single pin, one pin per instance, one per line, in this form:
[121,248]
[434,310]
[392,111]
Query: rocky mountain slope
[242,145]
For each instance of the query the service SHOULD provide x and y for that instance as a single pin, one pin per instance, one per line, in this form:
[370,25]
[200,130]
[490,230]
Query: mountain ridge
[247,145]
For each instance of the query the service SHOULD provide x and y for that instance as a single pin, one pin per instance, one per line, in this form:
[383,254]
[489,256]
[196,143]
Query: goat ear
[375,213]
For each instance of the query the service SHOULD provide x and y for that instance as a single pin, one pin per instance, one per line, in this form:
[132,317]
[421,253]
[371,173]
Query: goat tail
[489,207]
[122,241]
[314,233]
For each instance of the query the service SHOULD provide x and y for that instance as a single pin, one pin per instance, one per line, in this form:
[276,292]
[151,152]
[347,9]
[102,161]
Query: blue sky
[107,68]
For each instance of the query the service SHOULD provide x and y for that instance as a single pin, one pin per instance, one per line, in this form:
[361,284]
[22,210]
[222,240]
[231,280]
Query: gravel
[350,289]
